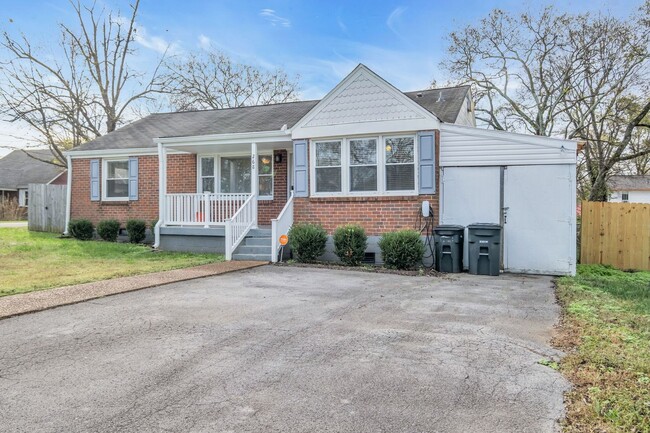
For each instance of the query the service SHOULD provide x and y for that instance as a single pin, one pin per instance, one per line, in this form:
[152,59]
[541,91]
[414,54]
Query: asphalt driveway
[289,350]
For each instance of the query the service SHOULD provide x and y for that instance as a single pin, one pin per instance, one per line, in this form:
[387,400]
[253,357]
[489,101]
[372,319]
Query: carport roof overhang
[225,143]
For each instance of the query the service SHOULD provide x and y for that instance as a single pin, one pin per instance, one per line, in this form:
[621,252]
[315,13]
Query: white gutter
[243,137]
[68,195]
[141,151]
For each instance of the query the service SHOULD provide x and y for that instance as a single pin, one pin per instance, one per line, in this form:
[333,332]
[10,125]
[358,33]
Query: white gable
[362,100]
[356,105]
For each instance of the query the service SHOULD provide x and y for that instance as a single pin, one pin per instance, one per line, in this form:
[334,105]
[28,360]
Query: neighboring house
[233,180]
[629,189]
[21,167]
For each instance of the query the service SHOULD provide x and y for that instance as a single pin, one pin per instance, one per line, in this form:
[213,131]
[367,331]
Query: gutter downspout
[68,196]
[162,163]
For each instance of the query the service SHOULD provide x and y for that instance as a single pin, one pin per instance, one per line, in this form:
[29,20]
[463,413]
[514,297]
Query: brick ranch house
[233,180]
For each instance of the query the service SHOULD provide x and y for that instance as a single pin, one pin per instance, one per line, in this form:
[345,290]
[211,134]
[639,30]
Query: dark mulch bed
[422,272]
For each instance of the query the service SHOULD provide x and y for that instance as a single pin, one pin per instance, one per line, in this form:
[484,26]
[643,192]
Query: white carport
[525,183]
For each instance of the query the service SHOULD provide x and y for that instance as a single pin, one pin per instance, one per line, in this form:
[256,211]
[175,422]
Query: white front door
[539,229]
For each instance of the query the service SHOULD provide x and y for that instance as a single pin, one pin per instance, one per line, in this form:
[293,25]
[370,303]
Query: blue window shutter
[300,169]
[133,178]
[94,179]
[427,162]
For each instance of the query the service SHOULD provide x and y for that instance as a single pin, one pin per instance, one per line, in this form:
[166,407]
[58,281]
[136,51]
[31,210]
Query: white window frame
[376,164]
[217,171]
[414,163]
[105,179]
[341,166]
[23,198]
[345,167]
[625,197]
[272,176]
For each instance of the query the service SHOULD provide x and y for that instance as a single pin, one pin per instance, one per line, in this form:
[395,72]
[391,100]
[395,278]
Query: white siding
[465,118]
[466,146]
[633,196]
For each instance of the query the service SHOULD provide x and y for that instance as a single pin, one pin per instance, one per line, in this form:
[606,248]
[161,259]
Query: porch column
[255,184]
[162,191]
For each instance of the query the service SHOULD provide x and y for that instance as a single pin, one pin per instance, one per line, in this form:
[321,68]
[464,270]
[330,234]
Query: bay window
[116,179]
[400,163]
[328,166]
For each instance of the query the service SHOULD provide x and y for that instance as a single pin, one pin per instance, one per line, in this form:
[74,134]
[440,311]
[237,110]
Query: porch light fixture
[265,160]
[278,158]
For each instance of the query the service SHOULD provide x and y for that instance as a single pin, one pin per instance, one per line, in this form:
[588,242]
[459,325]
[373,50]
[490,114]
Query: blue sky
[321,41]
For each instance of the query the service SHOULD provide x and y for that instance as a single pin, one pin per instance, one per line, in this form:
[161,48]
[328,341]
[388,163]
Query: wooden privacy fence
[46,207]
[616,234]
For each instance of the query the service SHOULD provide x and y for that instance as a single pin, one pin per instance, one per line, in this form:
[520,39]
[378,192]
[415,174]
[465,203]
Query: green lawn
[606,331]
[34,261]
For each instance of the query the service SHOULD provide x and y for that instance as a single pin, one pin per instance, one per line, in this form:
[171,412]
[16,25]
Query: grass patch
[35,261]
[606,332]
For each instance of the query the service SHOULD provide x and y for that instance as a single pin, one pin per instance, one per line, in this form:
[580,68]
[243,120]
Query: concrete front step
[256,257]
[258,241]
[253,249]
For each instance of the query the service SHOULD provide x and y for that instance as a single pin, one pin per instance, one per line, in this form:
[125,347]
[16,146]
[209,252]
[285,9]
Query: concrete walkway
[12,224]
[49,298]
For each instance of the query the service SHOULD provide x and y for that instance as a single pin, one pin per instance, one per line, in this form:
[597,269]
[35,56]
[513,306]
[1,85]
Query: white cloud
[342,25]
[271,16]
[393,19]
[205,42]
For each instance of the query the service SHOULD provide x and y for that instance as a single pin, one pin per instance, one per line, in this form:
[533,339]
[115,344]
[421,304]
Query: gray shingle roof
[444,103]
[629,183]
[17,169]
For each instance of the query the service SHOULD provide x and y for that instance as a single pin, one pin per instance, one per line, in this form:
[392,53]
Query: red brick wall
[181,177]
[375,214]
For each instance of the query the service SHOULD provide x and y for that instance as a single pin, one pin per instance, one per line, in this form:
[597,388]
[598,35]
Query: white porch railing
[280,226]
[238,226]
[202,209]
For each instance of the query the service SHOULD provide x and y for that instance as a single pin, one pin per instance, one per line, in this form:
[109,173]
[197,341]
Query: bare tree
[84,92]
[211,79]
[561,75]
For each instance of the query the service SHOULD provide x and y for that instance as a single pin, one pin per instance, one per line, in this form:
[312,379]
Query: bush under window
[402,249]
[81,229]
[307,241]
[350,242]
[108,230]
[136,230]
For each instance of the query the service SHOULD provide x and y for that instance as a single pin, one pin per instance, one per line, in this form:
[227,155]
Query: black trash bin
[484,242]
[449,247]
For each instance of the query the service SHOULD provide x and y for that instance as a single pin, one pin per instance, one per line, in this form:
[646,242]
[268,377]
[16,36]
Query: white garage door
[539,233]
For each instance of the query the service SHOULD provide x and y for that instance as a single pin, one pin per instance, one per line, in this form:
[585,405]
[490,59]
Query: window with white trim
[400,163]
[234,175]
[116,179]
[328,166]
[363,164]
[23,198]
[625,196]
[207,174]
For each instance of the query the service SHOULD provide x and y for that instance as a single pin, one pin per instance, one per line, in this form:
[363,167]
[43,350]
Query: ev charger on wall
[427,211]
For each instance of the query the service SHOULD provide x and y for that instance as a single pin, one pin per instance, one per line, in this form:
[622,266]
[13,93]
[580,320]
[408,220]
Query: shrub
[10,211]
[307,241]
[81,229]
[402,249]
[108,230]
[136,230]
[350,242]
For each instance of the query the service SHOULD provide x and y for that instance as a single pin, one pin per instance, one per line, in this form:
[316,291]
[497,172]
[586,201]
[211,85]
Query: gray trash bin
[484,248]
[449,248]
